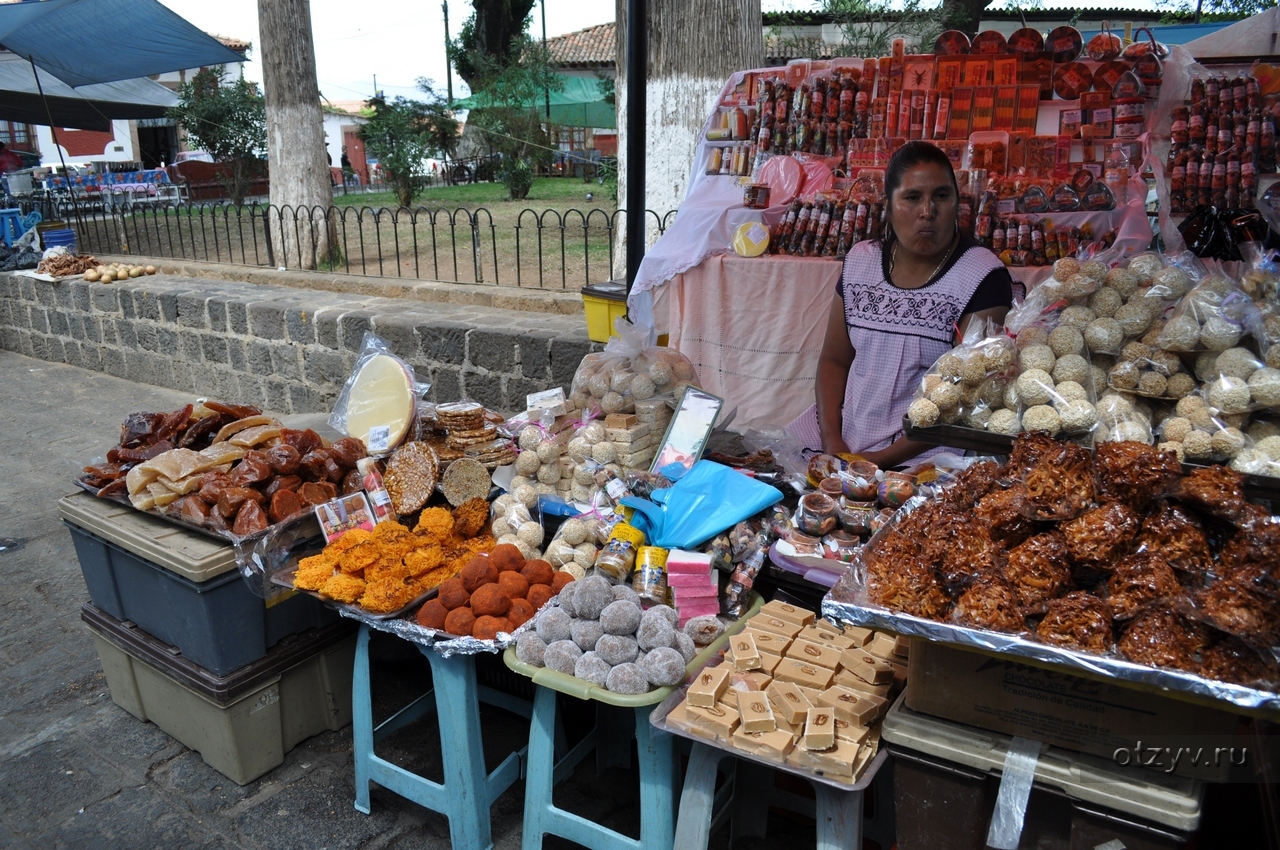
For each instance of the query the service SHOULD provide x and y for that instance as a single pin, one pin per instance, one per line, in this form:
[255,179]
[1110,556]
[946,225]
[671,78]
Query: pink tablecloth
[753,329]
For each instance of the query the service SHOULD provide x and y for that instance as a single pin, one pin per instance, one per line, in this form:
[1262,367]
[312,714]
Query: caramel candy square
[814,653]
[847,731]
[899,673]
[719,720]
[619,420]
[902,646]
[826,637]
[820,729]
[774,745]
[884,646]
[791,613]
[755,711]
[867,667]
[857,708]
[708,685]
[849,680]
[796,729]
[765,623]
[860,635]
[803,673]
[837,760]
[769,663]
[788,701]
[745,654]
[769,642]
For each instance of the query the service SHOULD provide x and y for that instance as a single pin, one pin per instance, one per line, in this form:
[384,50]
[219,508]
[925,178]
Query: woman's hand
[835,446]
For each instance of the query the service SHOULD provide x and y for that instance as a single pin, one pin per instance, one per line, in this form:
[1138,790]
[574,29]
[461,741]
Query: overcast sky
[398,40]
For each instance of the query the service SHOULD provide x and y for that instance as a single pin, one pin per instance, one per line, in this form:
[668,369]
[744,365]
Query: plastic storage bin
[604,303]
[58,239]
[243,724]
[946,778]
[180,586]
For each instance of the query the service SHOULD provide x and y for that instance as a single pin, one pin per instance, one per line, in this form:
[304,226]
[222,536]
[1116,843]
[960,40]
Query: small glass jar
[817,514]
[859,481]
[832,487]
[855,517]
[896,488]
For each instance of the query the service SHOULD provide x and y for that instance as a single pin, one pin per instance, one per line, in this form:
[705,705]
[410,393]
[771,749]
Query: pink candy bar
[679,561]
[690,580]
[698,608]
[681,593]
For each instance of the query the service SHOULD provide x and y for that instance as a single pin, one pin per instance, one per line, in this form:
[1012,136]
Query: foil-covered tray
[849,604]
[658,719]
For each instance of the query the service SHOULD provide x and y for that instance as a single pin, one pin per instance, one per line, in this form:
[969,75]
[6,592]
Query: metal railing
[544,249]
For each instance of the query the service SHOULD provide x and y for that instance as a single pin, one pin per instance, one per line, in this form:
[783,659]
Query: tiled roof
[593,47]
[237,44]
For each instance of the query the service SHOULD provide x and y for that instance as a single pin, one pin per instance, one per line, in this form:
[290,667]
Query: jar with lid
[650,578]
[618,556]
[817,514]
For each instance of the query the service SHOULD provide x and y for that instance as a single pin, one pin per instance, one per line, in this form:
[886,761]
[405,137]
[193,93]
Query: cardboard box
[1086,715]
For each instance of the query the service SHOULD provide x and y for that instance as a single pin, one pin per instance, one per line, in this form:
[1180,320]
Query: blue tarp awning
[83,42]
[86,108]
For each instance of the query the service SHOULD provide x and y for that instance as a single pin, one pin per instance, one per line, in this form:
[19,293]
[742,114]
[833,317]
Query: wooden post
[300,182]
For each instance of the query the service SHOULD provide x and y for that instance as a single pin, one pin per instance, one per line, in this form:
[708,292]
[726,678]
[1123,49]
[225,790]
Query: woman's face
[923,211]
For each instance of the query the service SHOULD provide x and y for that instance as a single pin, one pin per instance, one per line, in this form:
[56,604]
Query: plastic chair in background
[11,226]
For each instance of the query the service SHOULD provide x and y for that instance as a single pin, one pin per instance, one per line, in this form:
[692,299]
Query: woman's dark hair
[905,158]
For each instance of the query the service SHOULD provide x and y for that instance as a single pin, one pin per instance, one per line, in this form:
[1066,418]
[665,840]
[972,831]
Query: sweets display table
[614,714]
[467,792]
[837,807]
[753,329]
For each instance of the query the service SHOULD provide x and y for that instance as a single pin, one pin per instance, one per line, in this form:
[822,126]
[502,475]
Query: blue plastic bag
[709,499]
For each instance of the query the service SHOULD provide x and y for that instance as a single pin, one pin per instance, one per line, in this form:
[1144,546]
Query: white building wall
[120,149]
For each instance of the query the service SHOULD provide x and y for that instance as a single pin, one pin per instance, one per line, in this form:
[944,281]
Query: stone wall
[283,348]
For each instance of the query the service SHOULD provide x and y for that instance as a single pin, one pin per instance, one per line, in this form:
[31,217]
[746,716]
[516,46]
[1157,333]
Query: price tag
[379,438]
[1008,206]
[757,233]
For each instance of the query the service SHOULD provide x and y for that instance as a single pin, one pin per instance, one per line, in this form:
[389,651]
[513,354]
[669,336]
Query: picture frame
[686,436]
[340,515]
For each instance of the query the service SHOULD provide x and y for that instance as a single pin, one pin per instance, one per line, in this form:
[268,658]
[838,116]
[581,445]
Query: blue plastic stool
[11,227]
[837,811]
[657,778]
[467,792]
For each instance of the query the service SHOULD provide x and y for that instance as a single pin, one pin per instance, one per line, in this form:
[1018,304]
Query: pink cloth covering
[753,329]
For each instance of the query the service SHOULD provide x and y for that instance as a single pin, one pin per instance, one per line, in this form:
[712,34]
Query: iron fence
[544,249]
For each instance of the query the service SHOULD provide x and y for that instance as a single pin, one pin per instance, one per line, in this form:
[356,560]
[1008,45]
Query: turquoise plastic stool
[656,749]
[657,779]
[467,792]
[837,811]
[11,227]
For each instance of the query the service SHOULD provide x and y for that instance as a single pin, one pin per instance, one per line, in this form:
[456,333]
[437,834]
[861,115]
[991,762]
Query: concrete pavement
[78,771]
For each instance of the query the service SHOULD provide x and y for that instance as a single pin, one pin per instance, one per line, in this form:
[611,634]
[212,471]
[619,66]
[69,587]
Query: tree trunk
[301,189]
[964,15]
[688,65]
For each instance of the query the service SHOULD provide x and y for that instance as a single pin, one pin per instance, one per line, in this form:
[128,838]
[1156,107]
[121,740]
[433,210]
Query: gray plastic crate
[243,724]
[180,586]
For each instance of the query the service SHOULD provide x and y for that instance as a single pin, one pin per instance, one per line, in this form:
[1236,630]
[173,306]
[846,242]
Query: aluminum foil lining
[848,604]
[445,644]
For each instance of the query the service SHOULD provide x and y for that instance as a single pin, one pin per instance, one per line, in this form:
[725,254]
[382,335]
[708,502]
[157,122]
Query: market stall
[1049,146]
[1104,574]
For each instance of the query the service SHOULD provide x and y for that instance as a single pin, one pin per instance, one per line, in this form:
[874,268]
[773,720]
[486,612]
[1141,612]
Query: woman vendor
[900,304]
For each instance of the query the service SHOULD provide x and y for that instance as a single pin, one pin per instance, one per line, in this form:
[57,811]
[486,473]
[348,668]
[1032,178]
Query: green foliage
[517,176]
[517,132]
[1215,11]
[403,133]
[868,26]
[492,34]
[229,120]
